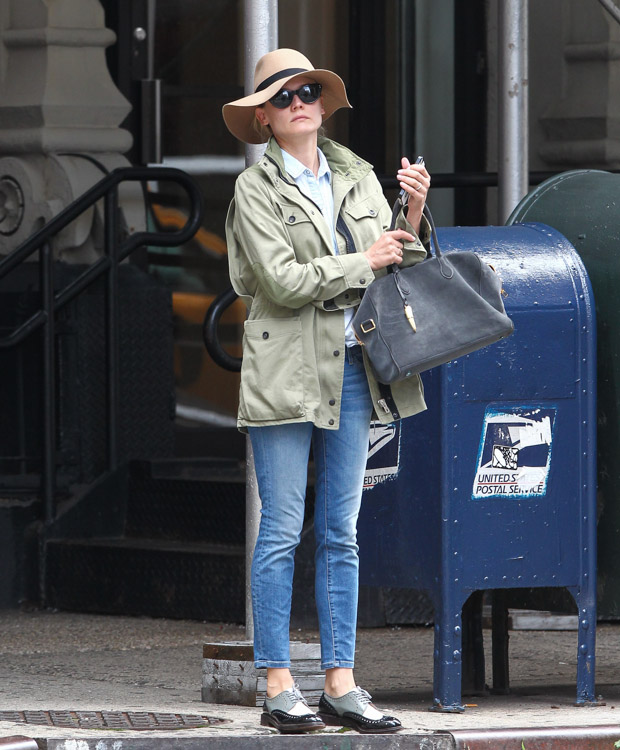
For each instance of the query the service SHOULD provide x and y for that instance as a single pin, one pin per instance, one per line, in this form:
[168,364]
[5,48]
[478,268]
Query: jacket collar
[347,168]
[342,161]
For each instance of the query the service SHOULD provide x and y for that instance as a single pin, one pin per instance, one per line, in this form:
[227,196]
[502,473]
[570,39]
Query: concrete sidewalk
[63,662]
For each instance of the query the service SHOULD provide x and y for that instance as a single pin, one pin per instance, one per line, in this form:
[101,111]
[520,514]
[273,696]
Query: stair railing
[115,250]
[210,331]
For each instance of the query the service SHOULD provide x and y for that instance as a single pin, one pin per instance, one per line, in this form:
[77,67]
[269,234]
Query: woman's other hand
[416,181]
[388,249]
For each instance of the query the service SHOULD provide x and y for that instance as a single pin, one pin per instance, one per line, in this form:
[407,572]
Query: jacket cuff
[357,271]
[425,232]
[423,236]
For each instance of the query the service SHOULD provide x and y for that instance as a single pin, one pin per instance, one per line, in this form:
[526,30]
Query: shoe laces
[296,694]
[369,710]
[364,696]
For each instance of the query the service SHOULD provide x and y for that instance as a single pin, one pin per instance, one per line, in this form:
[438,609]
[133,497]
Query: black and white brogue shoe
[356,710]
[289,713]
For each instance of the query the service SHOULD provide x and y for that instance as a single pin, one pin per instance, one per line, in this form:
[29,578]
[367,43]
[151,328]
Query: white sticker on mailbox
[515,452]
[383,453]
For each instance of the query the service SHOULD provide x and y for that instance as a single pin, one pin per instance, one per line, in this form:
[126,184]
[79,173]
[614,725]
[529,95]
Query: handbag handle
[393,268]
[400,203]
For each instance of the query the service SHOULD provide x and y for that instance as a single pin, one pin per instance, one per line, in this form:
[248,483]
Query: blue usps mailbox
[493,487]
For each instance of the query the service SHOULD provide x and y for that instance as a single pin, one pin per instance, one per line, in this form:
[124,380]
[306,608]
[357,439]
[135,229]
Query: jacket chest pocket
[302,231]
[271,375]
[364,219]
[366,210]
[294,216]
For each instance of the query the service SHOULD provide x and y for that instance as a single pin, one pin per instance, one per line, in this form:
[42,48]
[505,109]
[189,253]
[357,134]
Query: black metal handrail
[107,189]
[115,251]
[209,331]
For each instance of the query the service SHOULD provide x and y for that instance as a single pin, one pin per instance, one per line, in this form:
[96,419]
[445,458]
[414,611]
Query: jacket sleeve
[414,251]
[256,230]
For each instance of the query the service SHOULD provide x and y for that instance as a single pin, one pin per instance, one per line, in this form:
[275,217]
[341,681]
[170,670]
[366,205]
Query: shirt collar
[295,168]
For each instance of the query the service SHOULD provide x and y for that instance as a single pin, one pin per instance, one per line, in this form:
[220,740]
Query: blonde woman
[307,233]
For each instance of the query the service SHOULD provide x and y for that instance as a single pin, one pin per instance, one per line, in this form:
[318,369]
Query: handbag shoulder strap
[429,218]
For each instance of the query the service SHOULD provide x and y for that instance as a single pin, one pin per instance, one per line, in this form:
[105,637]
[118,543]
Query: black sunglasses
[308,93]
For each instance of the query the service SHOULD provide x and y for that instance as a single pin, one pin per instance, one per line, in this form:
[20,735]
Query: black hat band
[277,76]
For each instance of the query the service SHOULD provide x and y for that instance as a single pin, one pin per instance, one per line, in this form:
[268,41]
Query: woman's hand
[416,181]
[388,249]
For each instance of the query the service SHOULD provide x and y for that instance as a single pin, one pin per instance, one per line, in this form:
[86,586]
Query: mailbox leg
[447,659]
[473,670]
[501,680]
[586,647]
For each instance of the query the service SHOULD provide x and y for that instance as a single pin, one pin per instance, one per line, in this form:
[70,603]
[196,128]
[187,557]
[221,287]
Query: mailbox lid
[548,297]
[538,264]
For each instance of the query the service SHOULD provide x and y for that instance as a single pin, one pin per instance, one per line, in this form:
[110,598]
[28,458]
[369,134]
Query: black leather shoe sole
[287,724]
[362,725]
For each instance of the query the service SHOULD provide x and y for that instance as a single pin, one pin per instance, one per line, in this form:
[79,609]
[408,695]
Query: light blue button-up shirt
[319,190]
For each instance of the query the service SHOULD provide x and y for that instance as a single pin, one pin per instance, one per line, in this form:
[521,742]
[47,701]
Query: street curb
[317,741]
[542,738]
[539,738]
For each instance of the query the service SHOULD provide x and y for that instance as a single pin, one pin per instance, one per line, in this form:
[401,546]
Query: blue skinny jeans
[281,455]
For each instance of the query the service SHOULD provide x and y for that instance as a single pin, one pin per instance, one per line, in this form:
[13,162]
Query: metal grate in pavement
[131,720]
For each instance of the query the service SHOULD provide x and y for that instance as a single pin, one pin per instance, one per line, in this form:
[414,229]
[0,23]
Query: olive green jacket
[282,264]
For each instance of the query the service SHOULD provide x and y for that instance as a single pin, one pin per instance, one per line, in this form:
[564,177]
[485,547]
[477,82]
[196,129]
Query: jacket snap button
[265,334]
[291,219]
[336,353]
[332,401]
[331,421]
[372,212]
[362,281]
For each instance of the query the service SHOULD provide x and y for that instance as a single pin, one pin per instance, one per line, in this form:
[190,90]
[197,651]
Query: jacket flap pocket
[369,207]
[272,385]
[293,214]
[272,327]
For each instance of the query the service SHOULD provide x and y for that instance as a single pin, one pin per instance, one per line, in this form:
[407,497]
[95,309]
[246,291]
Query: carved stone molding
[58,104]
[57,93]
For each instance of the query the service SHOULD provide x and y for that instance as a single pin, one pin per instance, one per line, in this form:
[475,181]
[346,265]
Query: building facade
[92,85]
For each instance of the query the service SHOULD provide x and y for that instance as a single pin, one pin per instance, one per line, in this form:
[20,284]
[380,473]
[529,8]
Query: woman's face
[297,121]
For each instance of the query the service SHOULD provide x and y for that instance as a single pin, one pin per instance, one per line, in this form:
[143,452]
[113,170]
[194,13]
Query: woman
[306,235]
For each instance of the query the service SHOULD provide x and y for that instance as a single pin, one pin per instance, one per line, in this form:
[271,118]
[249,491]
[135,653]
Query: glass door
[177,61]
[196,59]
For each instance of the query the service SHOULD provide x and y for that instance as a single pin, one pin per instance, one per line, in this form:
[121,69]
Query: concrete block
[229,675]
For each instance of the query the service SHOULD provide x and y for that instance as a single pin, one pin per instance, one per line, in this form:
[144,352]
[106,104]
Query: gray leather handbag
[422,316]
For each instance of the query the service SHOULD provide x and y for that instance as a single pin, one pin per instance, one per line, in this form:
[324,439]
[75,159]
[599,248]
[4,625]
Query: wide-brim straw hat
[272,72]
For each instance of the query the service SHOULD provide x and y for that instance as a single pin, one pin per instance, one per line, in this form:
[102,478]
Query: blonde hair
[263,131]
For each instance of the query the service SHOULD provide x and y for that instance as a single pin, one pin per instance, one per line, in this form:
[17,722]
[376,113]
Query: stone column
[59,121]
[582,125]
